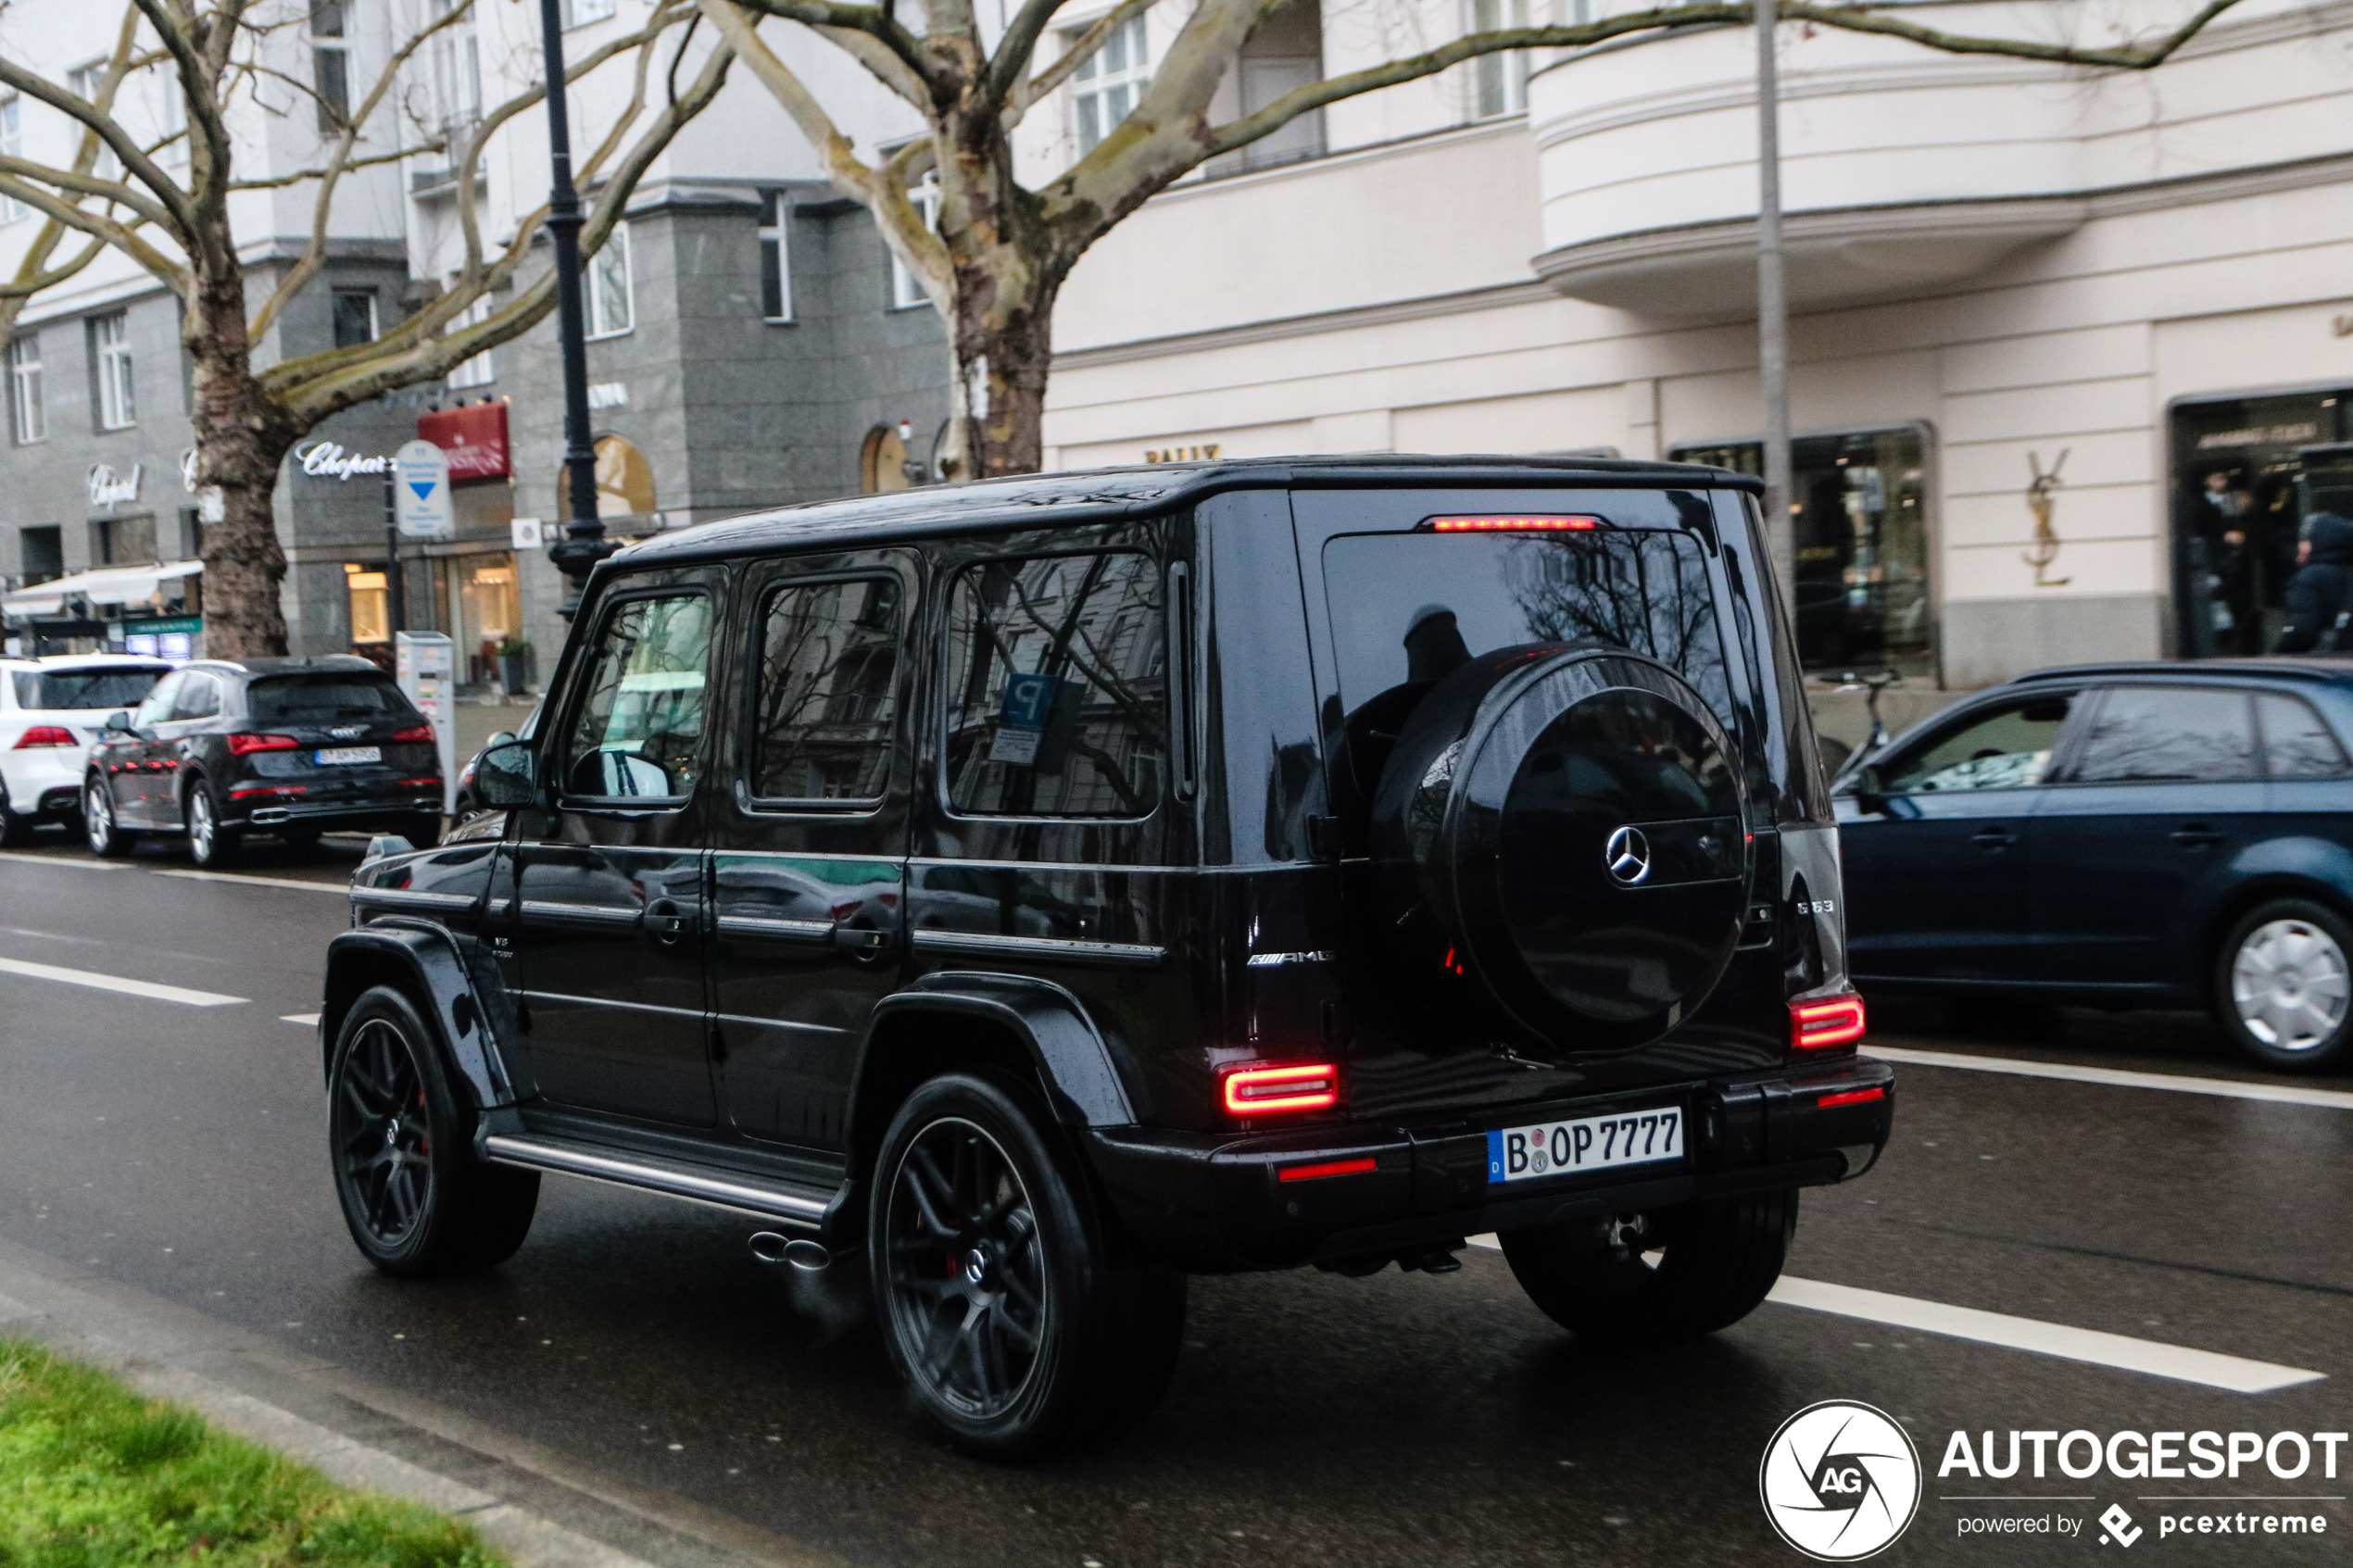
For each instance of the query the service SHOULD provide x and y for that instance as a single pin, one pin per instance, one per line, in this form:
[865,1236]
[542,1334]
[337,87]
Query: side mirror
[503,737]
[119,722]
[507,775]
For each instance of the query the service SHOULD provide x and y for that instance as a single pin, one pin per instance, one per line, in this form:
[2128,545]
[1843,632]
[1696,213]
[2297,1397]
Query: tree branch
[119,236]
[184,220]
[115,191]
[815,125]
[877,22]
[373,161]
[189,67]
[30,282]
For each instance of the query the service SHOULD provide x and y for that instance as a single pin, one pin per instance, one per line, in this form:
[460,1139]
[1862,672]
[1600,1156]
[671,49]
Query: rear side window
[640,731]
[80,689]
[2009,748]
[1414,607]
[325,699]
[2296,741]
[828,690]
[2183,734]
[1057,684]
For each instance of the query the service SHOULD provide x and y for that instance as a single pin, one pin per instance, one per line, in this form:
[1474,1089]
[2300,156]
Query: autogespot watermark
[1840,1480]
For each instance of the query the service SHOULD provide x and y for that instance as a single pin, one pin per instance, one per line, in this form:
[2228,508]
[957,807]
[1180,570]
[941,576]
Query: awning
[105,585]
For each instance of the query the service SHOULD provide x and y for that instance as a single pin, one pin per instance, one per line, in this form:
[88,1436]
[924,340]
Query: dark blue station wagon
[2121,835]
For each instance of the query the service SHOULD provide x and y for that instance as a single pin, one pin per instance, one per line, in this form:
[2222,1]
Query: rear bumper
[382,812]
[1215,1202]
[44,780]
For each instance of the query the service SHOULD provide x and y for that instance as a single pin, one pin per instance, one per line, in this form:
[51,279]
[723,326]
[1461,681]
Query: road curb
[541,1509]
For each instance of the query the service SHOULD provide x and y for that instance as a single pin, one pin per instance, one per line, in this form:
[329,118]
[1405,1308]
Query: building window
[482,370]
[1284,53]
[12,145]
[117,408]
[1860,517]
[371,608]
[86,81]
[2249,476]
[28,410]
[171,117]
[611,299]
[1502,79]
[122,540]
[580,13]
[354,317]
[329,64]
[457,67]
[775,257]
[44,547]
[1109,84]
[906,289]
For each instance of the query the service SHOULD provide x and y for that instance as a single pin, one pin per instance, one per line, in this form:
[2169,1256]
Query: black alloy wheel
[100,829]
[1016,1328]
[414,1197]
[1655,1278]
[211,842]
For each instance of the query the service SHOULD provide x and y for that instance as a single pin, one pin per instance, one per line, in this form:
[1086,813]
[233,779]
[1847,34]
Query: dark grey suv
[1028,893]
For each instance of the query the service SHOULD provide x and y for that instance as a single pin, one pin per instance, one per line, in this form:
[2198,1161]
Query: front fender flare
[429,958]
[1082,1082]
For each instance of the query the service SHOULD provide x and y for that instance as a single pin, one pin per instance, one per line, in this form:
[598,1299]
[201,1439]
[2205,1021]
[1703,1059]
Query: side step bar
[802,1207]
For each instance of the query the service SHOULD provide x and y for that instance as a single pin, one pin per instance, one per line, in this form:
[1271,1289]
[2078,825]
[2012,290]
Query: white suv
[51,712]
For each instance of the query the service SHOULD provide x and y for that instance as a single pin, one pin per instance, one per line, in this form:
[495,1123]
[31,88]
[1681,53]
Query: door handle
[864,943]
[1994,840]
[665,922]
[2195,836]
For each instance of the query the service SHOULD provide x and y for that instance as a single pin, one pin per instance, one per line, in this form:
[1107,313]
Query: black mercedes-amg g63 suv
[1031,892]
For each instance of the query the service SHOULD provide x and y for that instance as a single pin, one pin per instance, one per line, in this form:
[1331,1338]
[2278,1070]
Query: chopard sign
[327,460]
[110,489]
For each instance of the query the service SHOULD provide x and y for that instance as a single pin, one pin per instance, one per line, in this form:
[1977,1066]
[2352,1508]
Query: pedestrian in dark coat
[2320,596]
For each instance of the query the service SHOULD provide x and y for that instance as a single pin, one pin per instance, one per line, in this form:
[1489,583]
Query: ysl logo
[2042,499]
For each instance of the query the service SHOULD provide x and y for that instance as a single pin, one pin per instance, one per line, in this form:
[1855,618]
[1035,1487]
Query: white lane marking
[307,1020]
[115,982]
[2278,1094]
[2179,1362]
[339,889]
[55,860]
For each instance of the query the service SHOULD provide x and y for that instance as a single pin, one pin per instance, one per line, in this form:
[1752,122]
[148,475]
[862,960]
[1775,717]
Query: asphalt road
[1396,1420]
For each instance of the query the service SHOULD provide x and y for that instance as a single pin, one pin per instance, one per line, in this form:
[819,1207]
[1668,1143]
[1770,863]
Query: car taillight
[240,744]
[1852,1096]
[415,733]
[1512,524]
[44,734]
[1259,1091]
[1836,1020]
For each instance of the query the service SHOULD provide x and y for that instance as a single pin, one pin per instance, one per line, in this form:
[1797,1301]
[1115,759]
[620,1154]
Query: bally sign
[475,439]
[327,460]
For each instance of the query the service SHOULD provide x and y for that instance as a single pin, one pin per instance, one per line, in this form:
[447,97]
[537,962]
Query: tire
[1018,1327]
[15,832]
[2283,985]
[1713,1262]
[211,842]
[106,836]
[415,1199]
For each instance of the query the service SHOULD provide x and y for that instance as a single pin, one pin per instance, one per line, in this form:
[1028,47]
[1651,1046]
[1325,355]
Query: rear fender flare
[426,961]
[1075,1063]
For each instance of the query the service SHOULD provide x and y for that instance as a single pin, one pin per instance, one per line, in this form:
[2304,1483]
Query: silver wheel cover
[97,812]
[200,824]
[2290,983]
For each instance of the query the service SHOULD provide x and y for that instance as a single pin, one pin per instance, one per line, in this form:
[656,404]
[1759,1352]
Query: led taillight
[1852,1096]
[1556,525]
[1259,1091]
[240,744]
[414,732]
[1836,1020]
[44,734]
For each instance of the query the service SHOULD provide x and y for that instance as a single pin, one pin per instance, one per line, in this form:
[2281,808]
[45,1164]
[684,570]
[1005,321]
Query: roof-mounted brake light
[1517,524]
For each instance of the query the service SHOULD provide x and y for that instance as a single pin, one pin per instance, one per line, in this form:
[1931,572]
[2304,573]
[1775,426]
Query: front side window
[27,405]
[329,64]
[2181,735]
[2009,748]
[1111,83]
[612,307]
[117,408]
[1058,691]
[200,698]
[2297,743]
[157,705]
[638,731]
[828,690]
[354,317]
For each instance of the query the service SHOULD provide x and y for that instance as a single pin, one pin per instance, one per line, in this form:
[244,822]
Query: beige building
[2137,289]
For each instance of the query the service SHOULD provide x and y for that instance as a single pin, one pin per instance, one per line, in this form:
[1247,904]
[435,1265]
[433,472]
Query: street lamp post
[1772,310]
[584,543]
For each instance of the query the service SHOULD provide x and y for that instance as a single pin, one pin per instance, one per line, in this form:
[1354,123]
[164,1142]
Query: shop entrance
[2247,476]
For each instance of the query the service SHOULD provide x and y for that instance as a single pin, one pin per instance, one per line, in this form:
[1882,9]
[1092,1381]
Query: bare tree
[177,226]
[997,256]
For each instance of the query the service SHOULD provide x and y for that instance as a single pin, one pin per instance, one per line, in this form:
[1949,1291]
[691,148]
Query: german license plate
[345,755]
[1591,1143]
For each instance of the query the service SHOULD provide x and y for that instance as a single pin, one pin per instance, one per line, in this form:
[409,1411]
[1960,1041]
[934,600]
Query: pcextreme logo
[1839,1481]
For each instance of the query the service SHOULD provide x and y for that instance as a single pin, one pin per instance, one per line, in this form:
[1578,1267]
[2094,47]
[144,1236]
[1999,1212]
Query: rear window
[103,686]
[325,699]
[1414,607]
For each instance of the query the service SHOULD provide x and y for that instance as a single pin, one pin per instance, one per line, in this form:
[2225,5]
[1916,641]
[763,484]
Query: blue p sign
[1028,699]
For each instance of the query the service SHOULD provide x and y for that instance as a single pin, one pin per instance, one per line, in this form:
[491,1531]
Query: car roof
[1095,495]
[2319,671]
[86,661]
[332,663]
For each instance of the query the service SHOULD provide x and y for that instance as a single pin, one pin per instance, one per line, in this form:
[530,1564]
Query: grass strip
[93,1475]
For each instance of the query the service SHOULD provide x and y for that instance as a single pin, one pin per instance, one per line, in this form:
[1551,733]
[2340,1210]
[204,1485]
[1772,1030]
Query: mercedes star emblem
[1627,855]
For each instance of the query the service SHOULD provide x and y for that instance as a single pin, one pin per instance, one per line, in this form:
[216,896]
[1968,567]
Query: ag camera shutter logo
[1839,1481]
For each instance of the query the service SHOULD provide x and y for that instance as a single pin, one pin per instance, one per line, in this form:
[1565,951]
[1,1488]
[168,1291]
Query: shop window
[612,301]
[775,257]
[489,610]
[1111,83]
[43,553]
[2249,476]
[371,609]
[1859,511]
[882,462]
[28,407]
[124,541]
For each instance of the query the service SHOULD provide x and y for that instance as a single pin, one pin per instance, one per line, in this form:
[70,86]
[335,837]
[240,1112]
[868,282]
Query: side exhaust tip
[809,1256]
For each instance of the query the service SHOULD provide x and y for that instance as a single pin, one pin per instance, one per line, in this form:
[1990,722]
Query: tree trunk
[240,442]
[1003,358]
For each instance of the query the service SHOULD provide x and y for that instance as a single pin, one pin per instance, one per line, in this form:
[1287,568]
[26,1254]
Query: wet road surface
[1397,1420]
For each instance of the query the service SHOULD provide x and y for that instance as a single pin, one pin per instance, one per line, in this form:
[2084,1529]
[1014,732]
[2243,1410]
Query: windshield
[105,685]
[1411,608]
[323,699]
